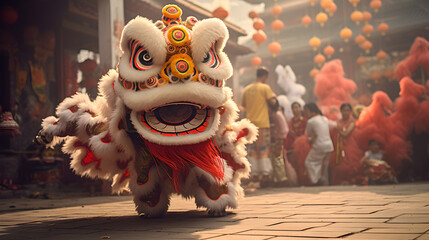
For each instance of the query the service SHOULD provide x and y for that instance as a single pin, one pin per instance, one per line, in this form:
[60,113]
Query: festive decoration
[329,51]
[321,18]
[220,13]
[164,122]
[381,55]
[367,29]
[256,61]
[361,60]
[325,4]
[258,24]
[356,16]
[359,39]
[314,72]
[331,9]
[274,48]
[277,25]
[376,76]
[253,14]
[319,59]
[8,15]
[259,37]
[375,5]
[366,16]
[354,2]
[346,34]
[314,42]
[382,28]
[306,20]
[367,45]
[276,10]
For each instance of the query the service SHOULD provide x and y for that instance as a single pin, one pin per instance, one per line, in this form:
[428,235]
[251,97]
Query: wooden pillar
[110,24]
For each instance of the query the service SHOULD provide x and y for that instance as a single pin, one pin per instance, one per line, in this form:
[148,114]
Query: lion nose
[181,69]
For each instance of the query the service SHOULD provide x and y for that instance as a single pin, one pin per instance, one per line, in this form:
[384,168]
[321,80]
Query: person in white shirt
[317,160]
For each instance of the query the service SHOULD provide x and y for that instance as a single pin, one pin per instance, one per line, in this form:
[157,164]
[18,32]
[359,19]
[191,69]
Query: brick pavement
[334,212]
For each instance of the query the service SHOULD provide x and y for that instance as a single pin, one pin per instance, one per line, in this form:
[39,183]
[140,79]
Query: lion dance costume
[163,122]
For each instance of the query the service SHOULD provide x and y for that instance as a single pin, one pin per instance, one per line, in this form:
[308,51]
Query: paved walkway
[335,212]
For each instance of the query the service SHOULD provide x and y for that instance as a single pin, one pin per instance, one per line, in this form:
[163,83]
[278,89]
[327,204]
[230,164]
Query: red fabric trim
[230,161]
[204,155]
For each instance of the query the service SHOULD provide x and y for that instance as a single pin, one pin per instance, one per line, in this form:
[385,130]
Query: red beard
[205,155]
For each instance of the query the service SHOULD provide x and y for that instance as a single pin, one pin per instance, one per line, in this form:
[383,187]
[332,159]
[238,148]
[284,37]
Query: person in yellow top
[255,103]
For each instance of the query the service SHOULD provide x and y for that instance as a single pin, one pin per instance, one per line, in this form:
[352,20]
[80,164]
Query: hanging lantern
[258,24]
[361,60]
[8,15]
[375,5]
[314,72]
[381,55]
[259,37]
[276,10]
[256,61]
[388,73]
[366,16]
[321,18]
[220,13]
[329,51]
[277,25]
[367,45]
[346,33]
[306,20]
[359,39]
[382,28]
[325,4]
[331,9]
[367,29]
[376,76]
[319,59]
[354,2]
[253,14]
[312,2]
[356,17]
[314,43]
[274,48]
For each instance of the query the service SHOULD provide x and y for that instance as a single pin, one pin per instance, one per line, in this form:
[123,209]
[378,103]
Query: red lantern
[8,15]
[356,17]
[220,13]
[321,18]
[319,59]
[259,37]
[314,72]
[376,76]
[329,51]
[346,33]
[314,42]
[367,29]
[276,10]
[258,24]
[306,20]
[361,60]
[375,5]
[277,25]
[367,45]
[359,39]
[256,61]
[354,2]
[325,4]
[253,14]
[332,9]
[366,16]
[381,55]
[388,73]
[382,28]
[274,48]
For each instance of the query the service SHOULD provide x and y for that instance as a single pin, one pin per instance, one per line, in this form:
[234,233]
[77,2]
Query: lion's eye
[212,59]
[140,57]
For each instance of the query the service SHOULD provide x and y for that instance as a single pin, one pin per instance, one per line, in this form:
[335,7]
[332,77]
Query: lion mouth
[177,118]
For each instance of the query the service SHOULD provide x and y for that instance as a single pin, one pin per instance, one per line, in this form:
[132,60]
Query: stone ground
[334,212]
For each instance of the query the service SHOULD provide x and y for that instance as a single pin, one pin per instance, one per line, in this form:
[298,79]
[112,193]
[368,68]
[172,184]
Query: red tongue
[204,155]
